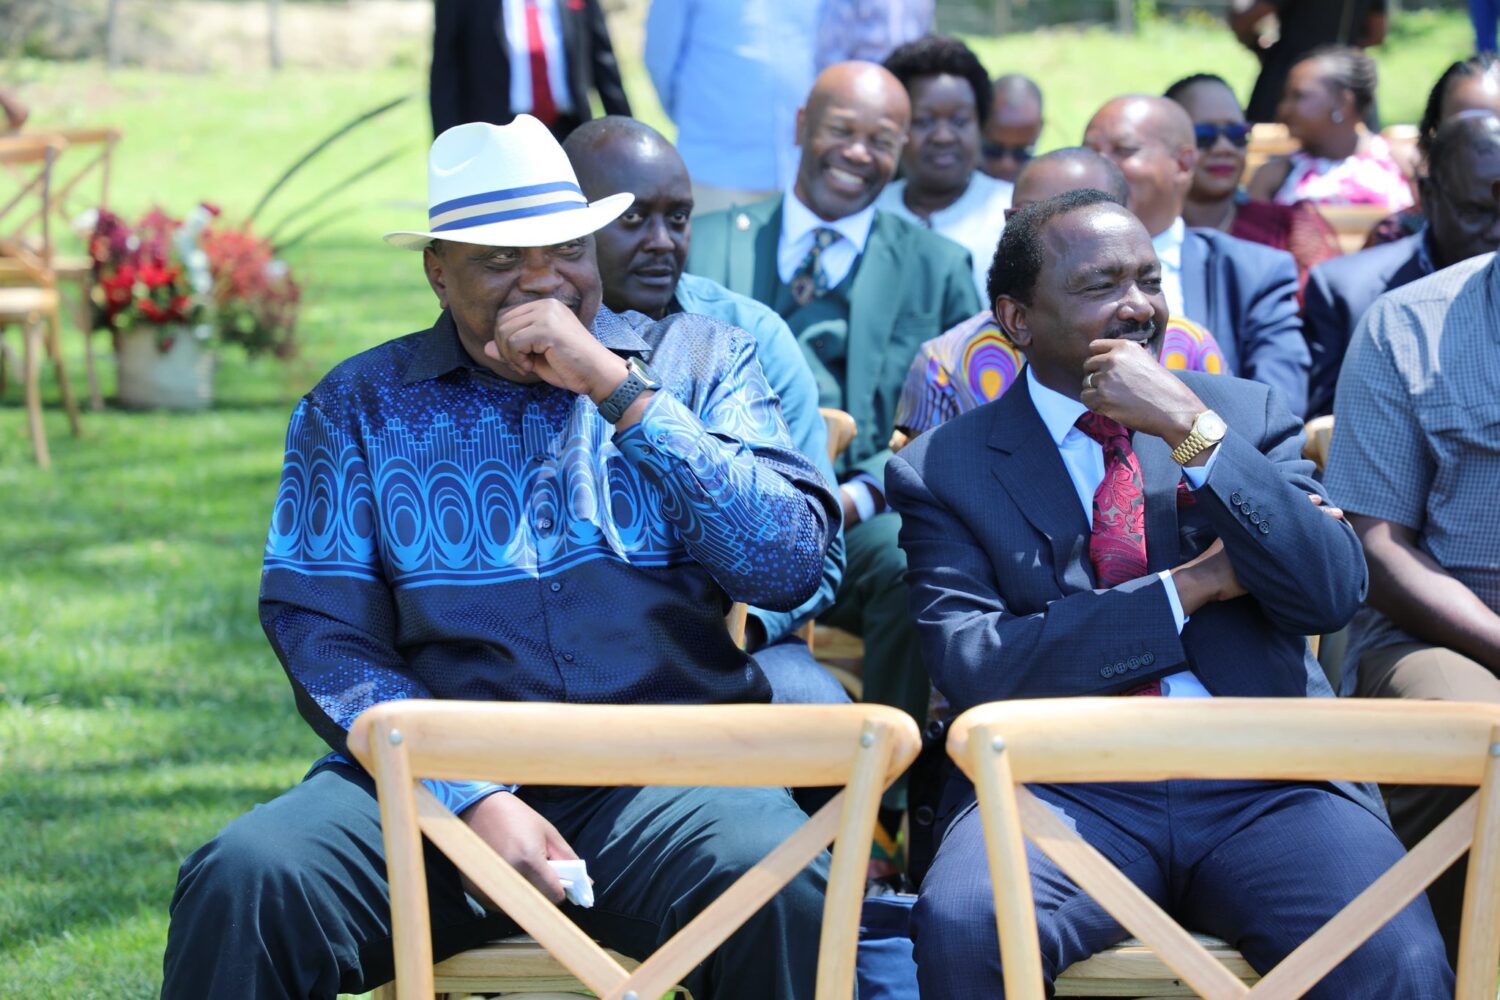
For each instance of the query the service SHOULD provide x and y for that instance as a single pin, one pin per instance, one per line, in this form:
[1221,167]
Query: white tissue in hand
[575,879]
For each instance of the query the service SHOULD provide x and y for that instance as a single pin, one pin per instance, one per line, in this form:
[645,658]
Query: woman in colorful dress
[1328,97]
[974,363]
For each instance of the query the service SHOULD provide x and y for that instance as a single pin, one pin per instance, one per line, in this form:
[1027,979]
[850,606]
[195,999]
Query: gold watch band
[1190,447]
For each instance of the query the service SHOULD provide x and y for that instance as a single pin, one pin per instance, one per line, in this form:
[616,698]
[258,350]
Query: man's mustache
[1134,330]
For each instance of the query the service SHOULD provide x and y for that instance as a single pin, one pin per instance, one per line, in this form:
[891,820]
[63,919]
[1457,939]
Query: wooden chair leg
[54,350]
[32,362]
[91,369]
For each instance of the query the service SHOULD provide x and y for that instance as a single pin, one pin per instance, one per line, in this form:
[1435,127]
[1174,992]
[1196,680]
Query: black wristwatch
[638,379]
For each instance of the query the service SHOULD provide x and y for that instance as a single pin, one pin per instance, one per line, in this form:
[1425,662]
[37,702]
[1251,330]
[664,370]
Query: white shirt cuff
[1172,599]
[861,494]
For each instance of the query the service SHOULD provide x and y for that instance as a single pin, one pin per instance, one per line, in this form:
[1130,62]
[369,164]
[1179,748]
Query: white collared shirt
[1168,247]
[975,221]
[1083,457]
[797,225]
[513,28]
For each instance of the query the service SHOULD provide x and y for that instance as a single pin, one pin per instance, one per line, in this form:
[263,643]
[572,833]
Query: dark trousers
[1484,13]
[1260,865]
[291,899]
[872,603]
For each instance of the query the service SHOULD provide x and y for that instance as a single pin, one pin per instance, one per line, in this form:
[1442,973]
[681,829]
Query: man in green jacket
[861,290]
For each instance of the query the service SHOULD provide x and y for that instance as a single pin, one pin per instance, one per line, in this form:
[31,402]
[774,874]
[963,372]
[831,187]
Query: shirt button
[661,438]
[568,657]
[556,587]
[544,523]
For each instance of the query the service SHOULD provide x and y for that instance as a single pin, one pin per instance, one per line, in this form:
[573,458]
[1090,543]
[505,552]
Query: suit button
[1135,663]
[1236,499]
[1265,527]
[1255,517]
[1120,667]
[1244,508]
[1147,659]
[1106,671]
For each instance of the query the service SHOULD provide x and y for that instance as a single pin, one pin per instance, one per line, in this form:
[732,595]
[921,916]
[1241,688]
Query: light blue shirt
[731,74]
[787,372]
[1083,457]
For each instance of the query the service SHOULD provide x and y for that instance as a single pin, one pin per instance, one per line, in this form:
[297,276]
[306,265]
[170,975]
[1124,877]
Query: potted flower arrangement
[170,290]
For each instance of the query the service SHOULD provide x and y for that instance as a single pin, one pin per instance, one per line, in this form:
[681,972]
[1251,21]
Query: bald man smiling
[861,290]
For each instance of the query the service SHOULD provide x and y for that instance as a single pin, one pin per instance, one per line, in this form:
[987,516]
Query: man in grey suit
[1119,529]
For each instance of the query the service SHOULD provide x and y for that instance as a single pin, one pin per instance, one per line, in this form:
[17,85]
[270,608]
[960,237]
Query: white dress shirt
[1168,247]
[513,27]
[1083,457]
[974,221]
[797,225]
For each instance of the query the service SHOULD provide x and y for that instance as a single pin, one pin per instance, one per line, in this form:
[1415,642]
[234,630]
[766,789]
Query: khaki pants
[1419,671]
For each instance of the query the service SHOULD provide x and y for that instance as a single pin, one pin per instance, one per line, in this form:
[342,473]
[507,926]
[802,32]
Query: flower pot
[179,378]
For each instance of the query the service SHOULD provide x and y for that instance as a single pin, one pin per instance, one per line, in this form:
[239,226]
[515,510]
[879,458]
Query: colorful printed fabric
[974,363]
[1369,178]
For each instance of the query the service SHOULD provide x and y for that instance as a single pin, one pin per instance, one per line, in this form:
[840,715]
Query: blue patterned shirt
[442,532]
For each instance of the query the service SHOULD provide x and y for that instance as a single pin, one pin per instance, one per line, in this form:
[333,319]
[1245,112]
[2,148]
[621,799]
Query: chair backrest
[1352,223]
[25,224]
[1268,139]
[841,431]
[861,747]
[90,155]
[1319,432]
[1001,746]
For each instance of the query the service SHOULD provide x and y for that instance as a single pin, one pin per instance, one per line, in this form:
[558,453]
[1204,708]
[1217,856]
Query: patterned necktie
[542,104]
[810,281]
[1117,546]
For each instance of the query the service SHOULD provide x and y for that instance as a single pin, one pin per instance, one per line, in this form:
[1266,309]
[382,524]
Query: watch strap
[638,379]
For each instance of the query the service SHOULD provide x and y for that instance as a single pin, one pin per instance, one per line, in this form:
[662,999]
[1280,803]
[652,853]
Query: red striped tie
[542,104]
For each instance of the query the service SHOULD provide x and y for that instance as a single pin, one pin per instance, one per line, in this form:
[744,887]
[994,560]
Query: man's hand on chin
[1124,382]
[545,338]
[520,835]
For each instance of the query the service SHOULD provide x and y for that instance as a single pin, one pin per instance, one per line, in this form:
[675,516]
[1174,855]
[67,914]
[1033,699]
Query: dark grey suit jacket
[1339,291]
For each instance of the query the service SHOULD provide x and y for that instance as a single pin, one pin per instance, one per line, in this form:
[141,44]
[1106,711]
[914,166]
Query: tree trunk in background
[112,35]
[273,34]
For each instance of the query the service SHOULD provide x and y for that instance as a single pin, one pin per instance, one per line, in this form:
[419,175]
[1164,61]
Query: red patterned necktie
[1117,546]
[542,104]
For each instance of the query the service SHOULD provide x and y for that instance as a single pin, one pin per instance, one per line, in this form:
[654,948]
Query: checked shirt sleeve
[748,506]
[324,601]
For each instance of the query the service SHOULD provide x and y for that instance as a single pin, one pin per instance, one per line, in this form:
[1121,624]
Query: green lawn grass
[140,706]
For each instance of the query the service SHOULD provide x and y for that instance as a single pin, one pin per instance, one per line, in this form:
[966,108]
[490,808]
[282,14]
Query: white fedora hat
[505,186]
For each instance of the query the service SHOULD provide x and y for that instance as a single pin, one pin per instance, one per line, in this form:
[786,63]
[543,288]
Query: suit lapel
[874,300]
[1026,461]
[756,270]
[1159,477]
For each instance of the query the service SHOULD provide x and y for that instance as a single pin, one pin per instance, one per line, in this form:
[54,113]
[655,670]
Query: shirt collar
[440,351]
[797,221]
[1057,411]
[1168,244]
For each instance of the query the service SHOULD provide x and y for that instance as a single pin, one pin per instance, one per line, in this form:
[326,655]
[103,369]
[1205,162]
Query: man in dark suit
[861,290]
[1245,293]
[1118,529]
[495,59]
[1461,223]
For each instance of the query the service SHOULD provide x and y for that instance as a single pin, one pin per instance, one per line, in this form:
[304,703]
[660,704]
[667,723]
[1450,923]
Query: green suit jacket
[910,286]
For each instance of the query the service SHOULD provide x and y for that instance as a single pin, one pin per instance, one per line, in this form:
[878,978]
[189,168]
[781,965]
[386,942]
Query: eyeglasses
[1000,151]
[1238,135]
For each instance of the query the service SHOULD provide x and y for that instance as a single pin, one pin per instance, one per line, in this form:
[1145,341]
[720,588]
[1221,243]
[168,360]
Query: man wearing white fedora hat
[537,499]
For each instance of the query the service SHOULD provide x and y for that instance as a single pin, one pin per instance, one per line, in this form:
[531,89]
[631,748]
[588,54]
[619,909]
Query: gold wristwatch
[1208,430]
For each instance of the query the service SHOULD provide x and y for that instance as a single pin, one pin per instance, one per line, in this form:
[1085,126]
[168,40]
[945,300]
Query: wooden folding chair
[1267,139]
[1001,746]
[861,747]
[82,183]
[28,288]
[1352,223]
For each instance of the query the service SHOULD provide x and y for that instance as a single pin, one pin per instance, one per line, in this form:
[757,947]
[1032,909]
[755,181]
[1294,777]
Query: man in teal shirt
[640,256]
[861,290]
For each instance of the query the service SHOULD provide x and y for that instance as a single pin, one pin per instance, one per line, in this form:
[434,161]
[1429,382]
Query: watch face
[645,374]
[1211,426]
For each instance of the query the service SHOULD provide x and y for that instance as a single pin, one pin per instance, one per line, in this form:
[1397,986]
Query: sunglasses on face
[1206,135]
[1000,151]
